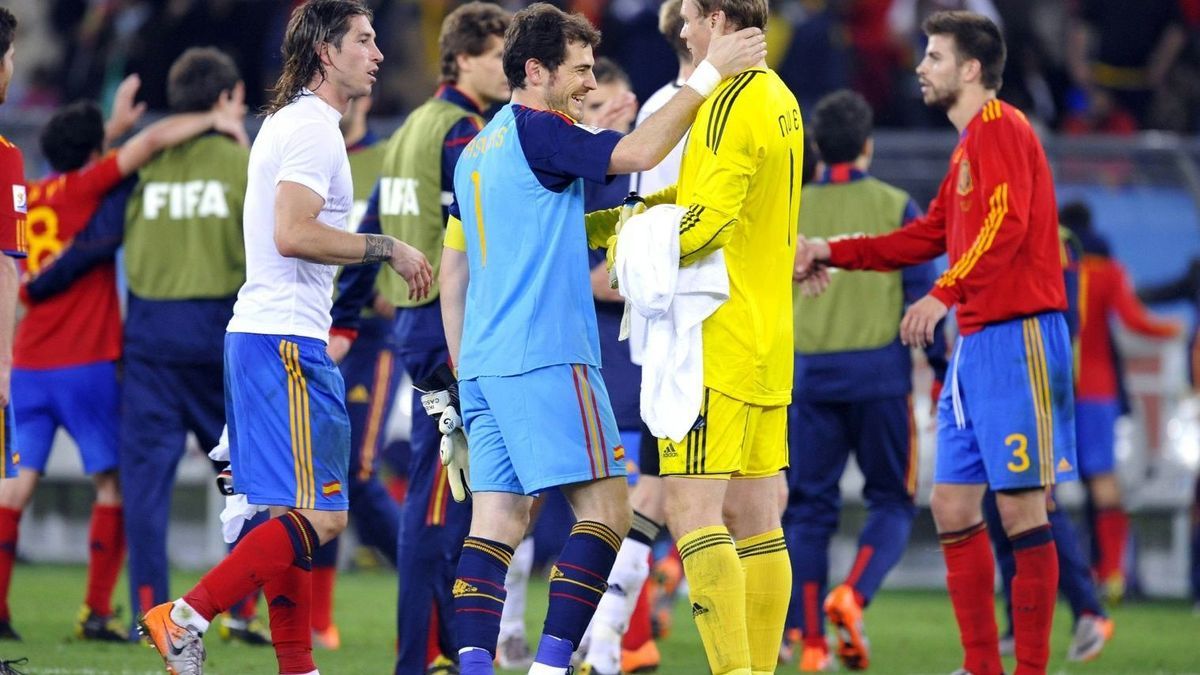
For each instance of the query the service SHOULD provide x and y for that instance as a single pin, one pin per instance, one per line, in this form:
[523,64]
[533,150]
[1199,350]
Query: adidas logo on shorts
[670,451]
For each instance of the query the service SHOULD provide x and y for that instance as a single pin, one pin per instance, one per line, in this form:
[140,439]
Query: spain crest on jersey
[965,185]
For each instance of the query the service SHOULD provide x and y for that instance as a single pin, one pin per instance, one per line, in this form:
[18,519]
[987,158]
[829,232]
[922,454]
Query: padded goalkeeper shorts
[548,427]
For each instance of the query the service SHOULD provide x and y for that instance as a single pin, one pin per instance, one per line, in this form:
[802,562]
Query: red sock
[322,597]
[289,603]
[268,551]
[106,543]
[1034,591]
[639,622]
[1112,531]
[970,579]
[10,525]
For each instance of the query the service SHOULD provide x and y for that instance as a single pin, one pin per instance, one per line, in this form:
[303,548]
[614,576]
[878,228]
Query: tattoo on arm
[379,248]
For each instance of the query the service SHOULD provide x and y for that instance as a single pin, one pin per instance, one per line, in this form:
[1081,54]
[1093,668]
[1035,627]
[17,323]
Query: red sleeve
[1131,311]
[920,240]
[98,177]
[1003,155]
[12,200]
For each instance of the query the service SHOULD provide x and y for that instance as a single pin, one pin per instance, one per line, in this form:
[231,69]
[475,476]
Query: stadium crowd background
[1141,72]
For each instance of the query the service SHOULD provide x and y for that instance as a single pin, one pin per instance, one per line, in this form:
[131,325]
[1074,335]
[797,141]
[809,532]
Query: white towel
[675,302]
[237,509]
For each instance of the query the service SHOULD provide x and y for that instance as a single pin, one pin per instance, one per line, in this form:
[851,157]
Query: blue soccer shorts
[82,399]
[289,434]
[1006,419]
[1095,435]
[549,427]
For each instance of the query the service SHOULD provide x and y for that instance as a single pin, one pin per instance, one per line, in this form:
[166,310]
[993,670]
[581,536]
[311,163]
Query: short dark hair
[312,24]
[606,70]
[542,32]
[670,24]
[8,30]
[975,37]
[841,125]
[74,132]
[198,78]
[738,13]
[466,31]
[1076,217]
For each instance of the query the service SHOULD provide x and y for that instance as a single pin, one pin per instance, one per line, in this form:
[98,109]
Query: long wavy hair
[312,24]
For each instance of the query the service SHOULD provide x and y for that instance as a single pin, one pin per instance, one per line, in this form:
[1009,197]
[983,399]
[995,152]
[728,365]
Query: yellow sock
[768,571]
[717,591]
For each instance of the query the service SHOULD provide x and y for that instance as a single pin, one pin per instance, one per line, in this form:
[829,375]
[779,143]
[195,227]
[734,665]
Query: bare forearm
[317,242]
[164,133]
[647,145]
[452,281]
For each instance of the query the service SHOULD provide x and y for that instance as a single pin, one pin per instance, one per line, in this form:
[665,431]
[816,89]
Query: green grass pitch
[911,633]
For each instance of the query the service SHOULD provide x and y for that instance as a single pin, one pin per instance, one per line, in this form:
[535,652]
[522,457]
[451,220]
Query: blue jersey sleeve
[356,285]
[97,243]
[560,151]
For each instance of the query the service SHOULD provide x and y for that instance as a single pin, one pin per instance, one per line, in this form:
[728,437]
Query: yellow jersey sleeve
[602,225]
[455,238]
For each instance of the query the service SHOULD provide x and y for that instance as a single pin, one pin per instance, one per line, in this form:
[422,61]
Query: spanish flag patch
[333,487]
[619,453]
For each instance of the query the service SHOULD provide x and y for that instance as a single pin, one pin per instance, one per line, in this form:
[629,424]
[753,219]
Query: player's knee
[108,488]
[328,524]
[953,513]
[1022,510]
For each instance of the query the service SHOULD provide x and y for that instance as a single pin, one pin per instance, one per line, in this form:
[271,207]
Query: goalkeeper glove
[440,400]
[632,206]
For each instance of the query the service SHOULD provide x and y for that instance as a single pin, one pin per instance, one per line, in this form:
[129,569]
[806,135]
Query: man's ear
[535,72]
[972,70]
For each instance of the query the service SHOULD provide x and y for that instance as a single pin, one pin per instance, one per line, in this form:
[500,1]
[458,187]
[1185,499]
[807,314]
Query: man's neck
[686,68]
[329,94]
[471,93]
[530,98]
[970,102]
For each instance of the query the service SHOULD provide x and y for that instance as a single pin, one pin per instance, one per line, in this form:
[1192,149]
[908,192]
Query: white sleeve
[310,156]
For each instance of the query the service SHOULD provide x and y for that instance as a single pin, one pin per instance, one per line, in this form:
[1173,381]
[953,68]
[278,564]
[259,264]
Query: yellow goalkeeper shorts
[730,438]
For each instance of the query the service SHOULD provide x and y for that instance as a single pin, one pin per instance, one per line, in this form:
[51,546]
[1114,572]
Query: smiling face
[352,67]
[940,73]
[568,85]
[697,30]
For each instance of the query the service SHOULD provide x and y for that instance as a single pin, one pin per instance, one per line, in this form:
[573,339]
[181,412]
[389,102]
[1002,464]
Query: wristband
[704,79]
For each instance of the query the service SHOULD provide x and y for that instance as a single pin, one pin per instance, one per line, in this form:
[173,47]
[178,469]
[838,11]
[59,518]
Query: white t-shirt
[300,143]
[664,175]
[667,171]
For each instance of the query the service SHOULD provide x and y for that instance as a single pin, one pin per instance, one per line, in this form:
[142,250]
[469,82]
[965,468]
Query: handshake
[811,270]
[439,396]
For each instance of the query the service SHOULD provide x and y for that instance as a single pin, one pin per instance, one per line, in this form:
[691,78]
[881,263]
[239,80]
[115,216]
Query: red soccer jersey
[1104,289]
[995,215]
[12,200]
[82,324]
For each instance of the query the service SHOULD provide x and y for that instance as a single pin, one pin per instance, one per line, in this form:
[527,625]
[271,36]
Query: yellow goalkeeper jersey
[740,180]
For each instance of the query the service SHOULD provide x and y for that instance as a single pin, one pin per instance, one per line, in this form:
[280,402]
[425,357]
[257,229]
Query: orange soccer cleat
[845,613]
[181,647]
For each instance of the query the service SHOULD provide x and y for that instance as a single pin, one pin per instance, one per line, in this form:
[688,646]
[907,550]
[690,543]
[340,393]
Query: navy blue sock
[578,580]
[479,593]
[880,546]
[1074,575]
[326,554]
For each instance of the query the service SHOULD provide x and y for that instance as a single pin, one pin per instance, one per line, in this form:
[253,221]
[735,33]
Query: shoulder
[540,120]
[1001,121]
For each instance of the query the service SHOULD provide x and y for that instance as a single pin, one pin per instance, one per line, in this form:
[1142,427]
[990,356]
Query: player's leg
[499,518]
[1027,442]
[294,458]
[1095,421]
[32,400]
[152,439]
[631,568]
[696,473]
[752,511]
[819,447]
[561,432]
[89,407]
[885,437]
[512,651]
[959,483]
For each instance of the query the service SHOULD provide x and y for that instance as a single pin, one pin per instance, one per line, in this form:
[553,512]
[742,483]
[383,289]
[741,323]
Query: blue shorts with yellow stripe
[1006,418]
[548,427]
[289,434]
[9,459]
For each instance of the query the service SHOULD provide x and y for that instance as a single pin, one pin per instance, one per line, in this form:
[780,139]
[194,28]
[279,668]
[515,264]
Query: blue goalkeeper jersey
[519,192]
